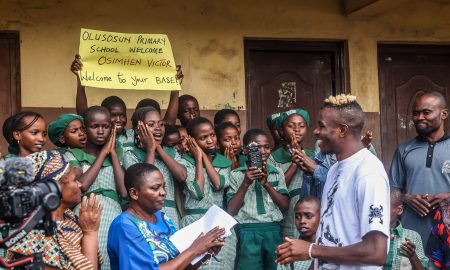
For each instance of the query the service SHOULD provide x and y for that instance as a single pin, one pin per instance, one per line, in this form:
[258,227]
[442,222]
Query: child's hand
[408,249]
[76,65]
[229,153]
[110,146]
[263,180]
[253,174]
[193,148]
[146,137]
[367,139]
[294,144]
[179,76]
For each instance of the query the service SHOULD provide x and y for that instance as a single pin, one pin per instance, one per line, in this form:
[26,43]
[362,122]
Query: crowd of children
[203,163]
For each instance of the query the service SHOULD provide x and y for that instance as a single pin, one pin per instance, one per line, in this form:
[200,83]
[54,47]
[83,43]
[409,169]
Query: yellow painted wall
[207,39]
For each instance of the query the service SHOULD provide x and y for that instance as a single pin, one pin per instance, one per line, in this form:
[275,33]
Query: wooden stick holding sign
[127,61]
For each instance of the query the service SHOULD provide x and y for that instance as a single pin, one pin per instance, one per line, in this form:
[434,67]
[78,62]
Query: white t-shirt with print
[355,201]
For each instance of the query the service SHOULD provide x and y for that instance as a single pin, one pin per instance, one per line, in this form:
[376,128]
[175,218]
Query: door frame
[15,84]
[337,47]
[15,90]
[385,101]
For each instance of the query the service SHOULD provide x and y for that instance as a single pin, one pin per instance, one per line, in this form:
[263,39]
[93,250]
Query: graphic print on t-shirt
[375,213]
[326,233]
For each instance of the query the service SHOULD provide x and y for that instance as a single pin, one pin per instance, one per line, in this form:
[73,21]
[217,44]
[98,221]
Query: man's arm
[372,250]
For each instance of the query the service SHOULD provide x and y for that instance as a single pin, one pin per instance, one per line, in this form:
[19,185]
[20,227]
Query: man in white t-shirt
[354,221]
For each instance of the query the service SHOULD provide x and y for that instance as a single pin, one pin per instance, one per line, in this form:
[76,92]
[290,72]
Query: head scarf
[48,165]
[284,116]
[271,120]
[57,127]
[63,250]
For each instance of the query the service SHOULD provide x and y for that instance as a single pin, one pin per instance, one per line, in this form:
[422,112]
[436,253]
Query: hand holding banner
[127,61]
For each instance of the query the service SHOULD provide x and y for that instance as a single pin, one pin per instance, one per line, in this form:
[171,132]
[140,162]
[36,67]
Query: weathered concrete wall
[207,39]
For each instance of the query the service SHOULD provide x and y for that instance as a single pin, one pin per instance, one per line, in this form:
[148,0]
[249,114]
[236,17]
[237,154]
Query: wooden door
[9,79]
[406,71]
[283,75]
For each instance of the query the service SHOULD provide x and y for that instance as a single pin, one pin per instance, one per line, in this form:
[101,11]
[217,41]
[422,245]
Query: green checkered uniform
[394,260]
[135,155]
[103,185]
[282,160]
[125,139]
[300,265]
[198,202]
[259,218]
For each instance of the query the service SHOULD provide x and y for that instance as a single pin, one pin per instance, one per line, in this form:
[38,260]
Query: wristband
[310,251]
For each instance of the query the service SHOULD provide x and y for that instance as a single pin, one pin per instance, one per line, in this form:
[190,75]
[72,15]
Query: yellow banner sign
[127,61]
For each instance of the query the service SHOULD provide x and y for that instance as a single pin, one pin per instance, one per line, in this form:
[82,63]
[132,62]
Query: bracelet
[310,251]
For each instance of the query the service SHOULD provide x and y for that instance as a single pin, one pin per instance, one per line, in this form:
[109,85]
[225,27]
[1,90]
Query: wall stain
[215,46]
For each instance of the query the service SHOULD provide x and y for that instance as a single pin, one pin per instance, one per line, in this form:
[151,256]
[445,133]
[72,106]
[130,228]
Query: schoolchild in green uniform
[257,199]
[229,142]
[172,138]
[102,171]
[307,217]
[149,130]
[227,115]
[67,131]
[292,126]
[208,172]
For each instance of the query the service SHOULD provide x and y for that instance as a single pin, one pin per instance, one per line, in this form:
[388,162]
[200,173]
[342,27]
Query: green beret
[284,115]
[57,127]
[271,120]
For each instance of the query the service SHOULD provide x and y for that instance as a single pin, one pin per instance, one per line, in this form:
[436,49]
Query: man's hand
[436,199]
[292,250]
[418,203]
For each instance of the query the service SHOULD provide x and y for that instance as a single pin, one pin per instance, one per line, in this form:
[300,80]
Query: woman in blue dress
[139,237]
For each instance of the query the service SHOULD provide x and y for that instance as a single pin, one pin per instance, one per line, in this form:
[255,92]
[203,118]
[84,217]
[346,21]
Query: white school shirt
[355,201]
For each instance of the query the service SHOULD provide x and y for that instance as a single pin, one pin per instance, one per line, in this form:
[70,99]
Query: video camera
[25,204]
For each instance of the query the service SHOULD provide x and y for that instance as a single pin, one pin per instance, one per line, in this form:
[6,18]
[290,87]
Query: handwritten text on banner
[127,61]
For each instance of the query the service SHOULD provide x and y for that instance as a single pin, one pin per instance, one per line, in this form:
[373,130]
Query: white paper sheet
[214,217]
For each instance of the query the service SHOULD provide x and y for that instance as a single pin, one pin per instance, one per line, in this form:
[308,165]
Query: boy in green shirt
[405,248]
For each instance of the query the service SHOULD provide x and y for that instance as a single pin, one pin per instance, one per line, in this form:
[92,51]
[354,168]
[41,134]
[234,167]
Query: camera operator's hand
[90,212]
